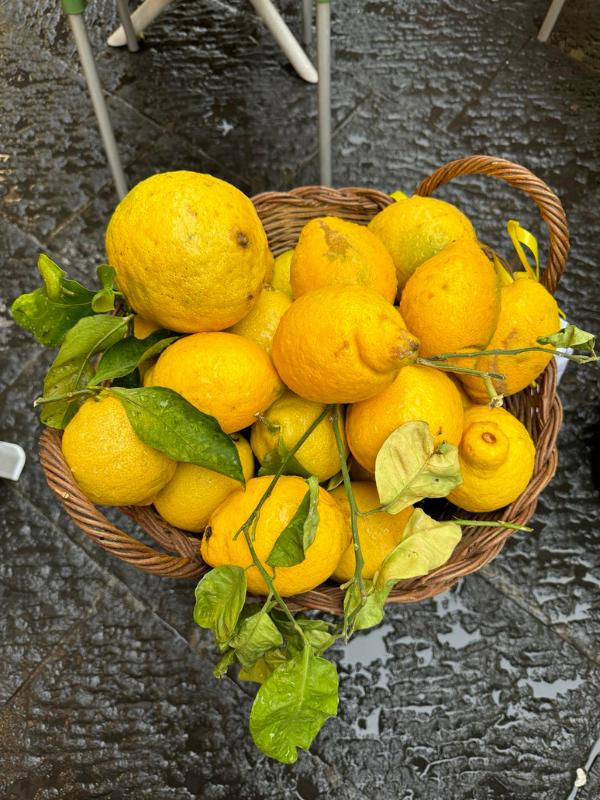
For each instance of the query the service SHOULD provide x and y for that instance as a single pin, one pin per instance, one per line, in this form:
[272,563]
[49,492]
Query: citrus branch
[40,401]
[480,523]
[517,351]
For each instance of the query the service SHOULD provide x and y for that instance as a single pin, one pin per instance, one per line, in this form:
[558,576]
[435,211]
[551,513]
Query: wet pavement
[490,692]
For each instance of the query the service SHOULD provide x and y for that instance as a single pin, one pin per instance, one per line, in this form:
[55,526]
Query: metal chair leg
[324,92]
[307,22]
[550,20]
[74,10]
[143,16]
[132,43]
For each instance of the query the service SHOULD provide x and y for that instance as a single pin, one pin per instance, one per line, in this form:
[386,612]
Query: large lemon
[418,393]
[496,460]
[194,492]
[189,250]
[331,538]
[416,228]
[110,464]
[332,251]
[378,534]
[341,344]
[222,374]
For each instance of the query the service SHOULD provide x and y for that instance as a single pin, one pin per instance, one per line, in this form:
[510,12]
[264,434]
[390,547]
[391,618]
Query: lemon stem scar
[488,437]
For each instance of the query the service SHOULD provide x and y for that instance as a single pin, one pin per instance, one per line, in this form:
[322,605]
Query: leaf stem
[517,351]
[480,523]
[432,361]
[40,401]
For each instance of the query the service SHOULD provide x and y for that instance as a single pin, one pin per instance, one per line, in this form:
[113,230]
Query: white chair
[549,22]
[132,25]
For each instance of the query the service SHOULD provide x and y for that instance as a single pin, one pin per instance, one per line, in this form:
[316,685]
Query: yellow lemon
[331,537]
[193,493]
[341,344]
[527,310]
[261,322]
[332,251]
[110,464]
[418,393]
[281,273]
[189,250]
[416,228]
[452,301]
[148,375]
[143,327]
[270,268]
[285,422]
[378,533]
[496,460]
[224,375]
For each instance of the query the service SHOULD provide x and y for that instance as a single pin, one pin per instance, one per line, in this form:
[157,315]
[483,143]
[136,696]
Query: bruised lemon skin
[452,301]
[333,251]
[218,547]
[222,374]
[378,533]
[415,228]
[417,393]
[497,457]
[110,464]
[194,492]
[292,416]
[189,250]
[341,344]
[261,322]
[527,311]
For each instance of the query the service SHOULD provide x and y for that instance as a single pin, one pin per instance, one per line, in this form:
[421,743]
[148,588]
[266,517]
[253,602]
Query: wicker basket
[283,215]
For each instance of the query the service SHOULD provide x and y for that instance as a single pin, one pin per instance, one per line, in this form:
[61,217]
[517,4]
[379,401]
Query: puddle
[459,637]
[366,648]
[369,725]
[550,690]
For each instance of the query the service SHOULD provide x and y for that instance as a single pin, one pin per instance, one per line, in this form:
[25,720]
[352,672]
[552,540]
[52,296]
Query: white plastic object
[12,461]
[562,363]
[143,16]
[550,19]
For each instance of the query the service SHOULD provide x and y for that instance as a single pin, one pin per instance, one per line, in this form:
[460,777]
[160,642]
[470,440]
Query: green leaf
[255,635]
[361,613]
[291,544]
[293,704]
[570,336]
[123,357]
[104,300]
[72,370]
[274,459]
[224,663]
[133,380]
[319,634]
[166,421]
[410,467]
[220,597]
[265,666]
[335,481]
[49,312]
[426,545]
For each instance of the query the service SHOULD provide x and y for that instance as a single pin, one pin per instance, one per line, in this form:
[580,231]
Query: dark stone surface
[106,686]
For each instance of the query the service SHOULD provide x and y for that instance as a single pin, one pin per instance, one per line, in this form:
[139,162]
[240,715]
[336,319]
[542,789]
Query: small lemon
[527,311]
[378,533]
[222,374]
[281,273]
[496,460]
[189,250]
[332,251]
[341,344]
[416,228]
[286,421]
[417,393]
[218,546]
[193,493]
[110,464]
[452,301]
[148,375]
[261,322]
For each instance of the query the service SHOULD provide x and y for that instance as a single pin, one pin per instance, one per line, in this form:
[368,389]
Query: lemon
[189,250]
[496,460]
[332,251]
[281,273]
[193,493]
[261,322]
[270,268]
[418,393]
[527,310]
[452,301]
[110,464]
[378,533]
[341,344]
[331,537]
[143,327]
[285,422]
[222,374]
[148,375]
[416,228]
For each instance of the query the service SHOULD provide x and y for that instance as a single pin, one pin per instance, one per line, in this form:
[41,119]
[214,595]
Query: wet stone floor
[491,691]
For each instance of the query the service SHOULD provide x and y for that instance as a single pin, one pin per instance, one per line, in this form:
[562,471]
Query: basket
[177,554]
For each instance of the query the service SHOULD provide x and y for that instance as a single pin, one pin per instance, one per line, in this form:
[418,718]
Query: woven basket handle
[547,202]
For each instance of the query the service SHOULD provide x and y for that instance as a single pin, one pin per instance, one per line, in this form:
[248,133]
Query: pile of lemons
[345,318]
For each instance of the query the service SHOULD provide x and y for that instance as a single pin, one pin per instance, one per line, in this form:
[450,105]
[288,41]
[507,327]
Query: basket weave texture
[284,214]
